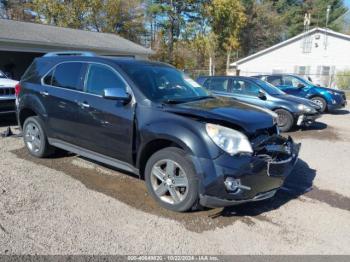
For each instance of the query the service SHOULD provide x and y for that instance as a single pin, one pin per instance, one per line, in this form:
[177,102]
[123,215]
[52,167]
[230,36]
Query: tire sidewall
[181,158]
[322,100]
[290,122]
[43,151]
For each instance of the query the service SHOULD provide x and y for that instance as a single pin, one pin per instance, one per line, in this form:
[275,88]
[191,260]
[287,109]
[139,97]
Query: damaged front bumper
[256,177]
[307,119]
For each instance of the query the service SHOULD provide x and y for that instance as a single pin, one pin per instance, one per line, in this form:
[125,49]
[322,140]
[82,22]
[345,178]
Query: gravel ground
[69,205]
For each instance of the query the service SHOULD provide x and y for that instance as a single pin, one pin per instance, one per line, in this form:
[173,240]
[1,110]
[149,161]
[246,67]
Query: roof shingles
[16,31]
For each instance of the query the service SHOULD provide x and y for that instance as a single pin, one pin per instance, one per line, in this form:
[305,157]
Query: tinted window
[48,78]
[100,77]
[219,84]
[163,83]
[274,80]
[245,88]
[67,75]
[292,81]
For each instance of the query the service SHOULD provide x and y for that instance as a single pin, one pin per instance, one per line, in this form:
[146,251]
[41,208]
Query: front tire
[171,179]
[285,120]
[35,137]
[321,102]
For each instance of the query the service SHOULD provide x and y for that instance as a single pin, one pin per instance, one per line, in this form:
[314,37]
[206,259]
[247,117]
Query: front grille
[7,91]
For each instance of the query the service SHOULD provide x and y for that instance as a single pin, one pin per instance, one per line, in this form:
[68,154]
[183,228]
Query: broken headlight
[229,140]
[306,109]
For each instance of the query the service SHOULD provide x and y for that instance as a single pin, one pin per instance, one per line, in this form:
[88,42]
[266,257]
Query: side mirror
[262,95]
[301,86]
[118,94]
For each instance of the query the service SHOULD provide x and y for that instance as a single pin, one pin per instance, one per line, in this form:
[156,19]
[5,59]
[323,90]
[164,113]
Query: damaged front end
[247,178]
[278,152]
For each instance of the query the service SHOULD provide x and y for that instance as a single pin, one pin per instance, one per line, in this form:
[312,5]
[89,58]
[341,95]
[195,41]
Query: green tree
[227,20]
[113,16]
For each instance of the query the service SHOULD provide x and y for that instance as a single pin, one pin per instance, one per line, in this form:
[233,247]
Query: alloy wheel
[282,119]
[169,181]
[32,137]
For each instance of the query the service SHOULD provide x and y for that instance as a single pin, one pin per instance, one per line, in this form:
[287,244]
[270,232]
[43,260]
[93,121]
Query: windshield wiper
[200,98]
[179,101]
[173,101]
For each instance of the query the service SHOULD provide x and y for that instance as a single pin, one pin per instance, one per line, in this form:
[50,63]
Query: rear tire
[35,137]
[285,120]
[171,179]
[321,102]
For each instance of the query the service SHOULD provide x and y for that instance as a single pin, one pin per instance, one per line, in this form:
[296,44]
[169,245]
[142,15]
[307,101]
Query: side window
[206,83]
[245,88]
[100,77]
[292,81]
[219,84]
[274,80]
[48,78]
[66,75]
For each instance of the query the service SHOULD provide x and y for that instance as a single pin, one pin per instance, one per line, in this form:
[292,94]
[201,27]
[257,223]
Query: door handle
[83,104]
[44,93]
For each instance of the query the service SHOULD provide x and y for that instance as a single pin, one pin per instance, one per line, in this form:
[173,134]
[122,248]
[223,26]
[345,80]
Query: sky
[347,3]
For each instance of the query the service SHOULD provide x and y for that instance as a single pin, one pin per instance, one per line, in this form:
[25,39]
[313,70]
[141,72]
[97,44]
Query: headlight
[229,140]
[305,108]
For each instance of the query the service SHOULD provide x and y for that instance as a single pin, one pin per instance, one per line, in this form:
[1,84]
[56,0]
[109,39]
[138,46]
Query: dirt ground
[70,205]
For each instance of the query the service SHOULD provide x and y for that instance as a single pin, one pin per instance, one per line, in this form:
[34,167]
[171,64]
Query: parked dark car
[328,98]
[150,119]
[291,110]
[7,95]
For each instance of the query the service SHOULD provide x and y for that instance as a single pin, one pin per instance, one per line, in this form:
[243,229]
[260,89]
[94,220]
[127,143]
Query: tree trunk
[228,58]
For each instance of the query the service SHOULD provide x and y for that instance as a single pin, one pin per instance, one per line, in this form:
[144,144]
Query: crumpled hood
[4,82]
[231,111]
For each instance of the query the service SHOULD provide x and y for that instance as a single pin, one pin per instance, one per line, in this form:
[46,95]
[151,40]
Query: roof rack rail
[70,53]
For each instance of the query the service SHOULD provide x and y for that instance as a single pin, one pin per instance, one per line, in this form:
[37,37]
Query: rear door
[62,88]
[106,125]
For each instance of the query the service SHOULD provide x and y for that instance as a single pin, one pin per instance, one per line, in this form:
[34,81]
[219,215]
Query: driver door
[247,91]
[293,86]
[106,126]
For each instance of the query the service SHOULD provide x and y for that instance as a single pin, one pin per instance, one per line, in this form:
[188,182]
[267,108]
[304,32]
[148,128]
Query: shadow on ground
[339,112]
[318,131]
[132,191]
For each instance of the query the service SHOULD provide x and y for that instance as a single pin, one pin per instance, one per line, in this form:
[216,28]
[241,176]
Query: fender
[32,102]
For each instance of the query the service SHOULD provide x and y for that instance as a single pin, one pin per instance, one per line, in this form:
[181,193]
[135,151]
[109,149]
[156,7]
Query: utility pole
[327,19]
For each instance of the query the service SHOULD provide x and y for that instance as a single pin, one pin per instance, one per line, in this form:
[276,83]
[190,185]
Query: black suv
[150,119]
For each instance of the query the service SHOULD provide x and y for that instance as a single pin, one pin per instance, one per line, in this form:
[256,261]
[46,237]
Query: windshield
[164,84]
[270,89]
[302,79]
[2,75]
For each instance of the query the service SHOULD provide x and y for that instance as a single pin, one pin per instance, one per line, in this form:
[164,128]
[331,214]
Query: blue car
[291,110]
[329,99]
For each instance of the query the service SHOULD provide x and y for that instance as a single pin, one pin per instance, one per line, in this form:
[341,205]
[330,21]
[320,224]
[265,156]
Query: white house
[319,54]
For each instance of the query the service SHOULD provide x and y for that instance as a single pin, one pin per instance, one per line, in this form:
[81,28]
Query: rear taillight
[17,89]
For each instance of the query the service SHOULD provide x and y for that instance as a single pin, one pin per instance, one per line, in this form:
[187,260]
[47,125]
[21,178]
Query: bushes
[343,79]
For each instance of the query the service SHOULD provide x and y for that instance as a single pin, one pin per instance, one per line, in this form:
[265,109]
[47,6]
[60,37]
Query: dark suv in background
[291,110]
[150,119]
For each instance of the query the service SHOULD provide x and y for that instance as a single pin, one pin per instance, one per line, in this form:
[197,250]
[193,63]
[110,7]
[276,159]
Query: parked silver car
[7,94]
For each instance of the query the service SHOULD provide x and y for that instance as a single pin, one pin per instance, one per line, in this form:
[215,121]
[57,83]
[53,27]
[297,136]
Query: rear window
[66,75]
[36,70]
